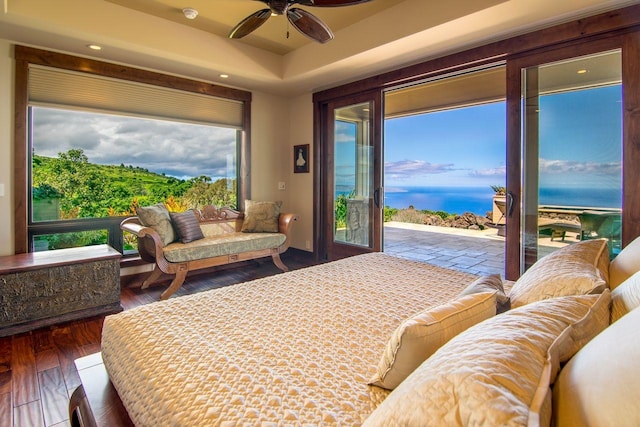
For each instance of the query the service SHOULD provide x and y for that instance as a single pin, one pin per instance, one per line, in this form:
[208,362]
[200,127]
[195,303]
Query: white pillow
[625,264]
[419,336]
[492,282]
[625,297]
[575,269]
[600,386]
[498,372]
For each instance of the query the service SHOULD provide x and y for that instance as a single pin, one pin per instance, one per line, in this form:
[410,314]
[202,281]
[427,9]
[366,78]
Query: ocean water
[478,200]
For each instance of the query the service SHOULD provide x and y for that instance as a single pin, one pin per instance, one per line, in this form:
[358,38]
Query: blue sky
[462,147]
[580,143]
[580,134]
[181,150]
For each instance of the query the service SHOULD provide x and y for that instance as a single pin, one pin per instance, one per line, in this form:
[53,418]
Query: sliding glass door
[571,153]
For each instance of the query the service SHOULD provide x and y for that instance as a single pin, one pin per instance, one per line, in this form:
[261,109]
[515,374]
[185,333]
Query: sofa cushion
[261,217]
[419,336]
[625,297]
[157,217]
[498,372]
[187,226]
[490,283]
[572,270]
[600,386]
[625,264]
[226,244]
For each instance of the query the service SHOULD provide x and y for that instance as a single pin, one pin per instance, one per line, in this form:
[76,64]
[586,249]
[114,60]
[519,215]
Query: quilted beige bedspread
[292,349]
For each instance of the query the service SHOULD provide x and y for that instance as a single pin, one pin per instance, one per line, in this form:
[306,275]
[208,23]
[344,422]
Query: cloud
[499,172]
[557,167]
[177,149]
[405,169]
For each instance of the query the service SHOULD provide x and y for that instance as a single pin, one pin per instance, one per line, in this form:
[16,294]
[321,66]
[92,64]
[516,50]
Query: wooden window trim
[24,56]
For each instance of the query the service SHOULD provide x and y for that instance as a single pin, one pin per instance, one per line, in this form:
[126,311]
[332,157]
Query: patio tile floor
[475,252]
[471,251]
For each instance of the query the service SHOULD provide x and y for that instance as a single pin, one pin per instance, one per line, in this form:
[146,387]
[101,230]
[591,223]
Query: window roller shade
[55,87]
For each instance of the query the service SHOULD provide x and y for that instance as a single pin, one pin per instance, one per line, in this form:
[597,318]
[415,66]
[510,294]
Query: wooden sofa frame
[227,220]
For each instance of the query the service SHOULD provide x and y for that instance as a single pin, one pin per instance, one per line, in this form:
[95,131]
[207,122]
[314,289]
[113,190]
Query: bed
[303,348]
[297,348]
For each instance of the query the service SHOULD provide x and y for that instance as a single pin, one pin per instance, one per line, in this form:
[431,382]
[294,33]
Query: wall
[277,124]
[6,147]
[300,185]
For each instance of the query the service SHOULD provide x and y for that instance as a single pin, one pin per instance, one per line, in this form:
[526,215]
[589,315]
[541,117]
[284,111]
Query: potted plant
[499,204]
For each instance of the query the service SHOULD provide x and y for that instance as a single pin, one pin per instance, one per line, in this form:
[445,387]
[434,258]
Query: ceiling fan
[303,21]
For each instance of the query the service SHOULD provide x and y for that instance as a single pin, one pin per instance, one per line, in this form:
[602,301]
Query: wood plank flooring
[37,371]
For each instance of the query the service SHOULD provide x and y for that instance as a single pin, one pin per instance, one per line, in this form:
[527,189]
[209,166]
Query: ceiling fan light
[305,22]
[190,13]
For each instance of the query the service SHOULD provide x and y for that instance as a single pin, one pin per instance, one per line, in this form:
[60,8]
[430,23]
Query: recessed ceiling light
[224,76]
[583,71]
[190,13]
[94,47]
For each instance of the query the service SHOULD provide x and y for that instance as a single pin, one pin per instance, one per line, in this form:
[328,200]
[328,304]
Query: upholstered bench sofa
[201,238]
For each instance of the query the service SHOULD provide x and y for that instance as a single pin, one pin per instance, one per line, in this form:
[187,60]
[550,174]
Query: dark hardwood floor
[37,371]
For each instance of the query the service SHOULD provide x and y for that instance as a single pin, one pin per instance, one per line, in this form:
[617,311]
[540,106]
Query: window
[95,165]
[95,140]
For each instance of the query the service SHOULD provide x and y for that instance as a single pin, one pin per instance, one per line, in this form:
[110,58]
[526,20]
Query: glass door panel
[353,176]
[351,179]
[572,154]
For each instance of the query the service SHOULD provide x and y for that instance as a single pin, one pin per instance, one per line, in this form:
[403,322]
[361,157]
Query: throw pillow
[261,217]
[572,270]
[157,217]
[187,226]
[625,297]
[421,335]
[490,283]
[498,372]
[625,264]
[600,386]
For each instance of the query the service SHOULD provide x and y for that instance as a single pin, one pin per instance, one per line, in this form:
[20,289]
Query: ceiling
[220,16]
[370,38]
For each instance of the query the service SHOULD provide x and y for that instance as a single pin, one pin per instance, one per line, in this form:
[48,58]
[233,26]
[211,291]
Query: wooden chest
[43,288]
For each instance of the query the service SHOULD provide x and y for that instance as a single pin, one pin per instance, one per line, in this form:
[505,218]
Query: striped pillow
[187,226]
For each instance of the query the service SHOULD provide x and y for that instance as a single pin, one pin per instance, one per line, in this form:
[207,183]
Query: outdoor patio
[475,252]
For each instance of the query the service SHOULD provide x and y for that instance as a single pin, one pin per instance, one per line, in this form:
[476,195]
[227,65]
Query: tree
[74,155]
[203,192]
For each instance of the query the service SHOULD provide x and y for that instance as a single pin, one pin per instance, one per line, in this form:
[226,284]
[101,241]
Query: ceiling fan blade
[329,3]
[250,24]
[309,25]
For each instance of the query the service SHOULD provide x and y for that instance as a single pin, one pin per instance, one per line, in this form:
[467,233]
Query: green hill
[88,190]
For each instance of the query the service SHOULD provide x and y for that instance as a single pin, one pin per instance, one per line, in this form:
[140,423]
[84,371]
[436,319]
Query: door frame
[630,134]
[327,249]
[623,24]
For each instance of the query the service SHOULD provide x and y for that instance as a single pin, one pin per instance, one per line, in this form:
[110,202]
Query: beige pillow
[572,270]
[498,372]
[625,264]
[625,297]
[261,217]
[600,386]
[490,283]
[421,335]
[157,217]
